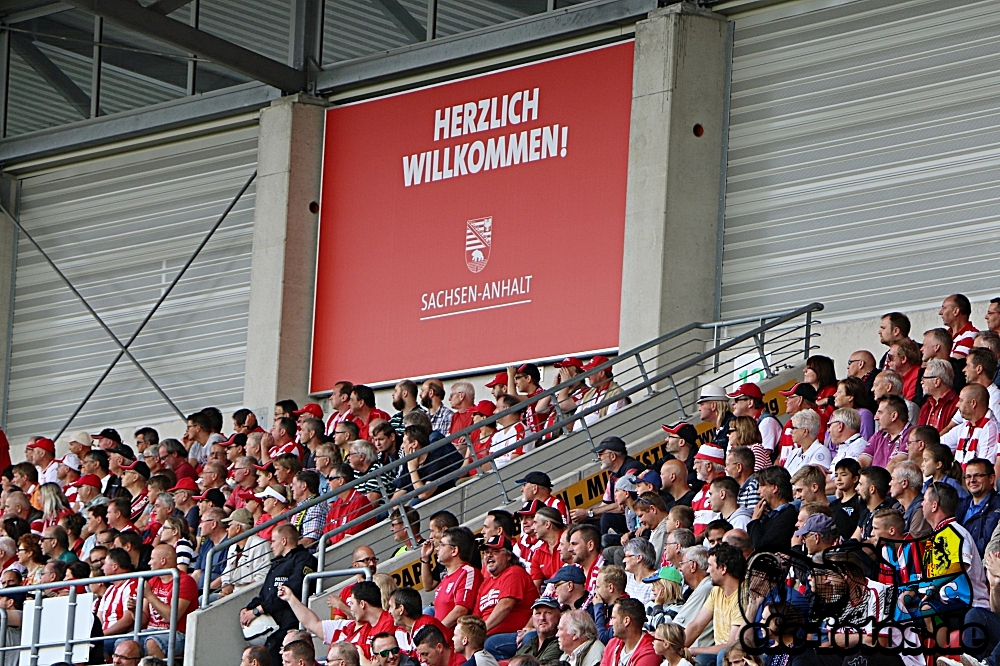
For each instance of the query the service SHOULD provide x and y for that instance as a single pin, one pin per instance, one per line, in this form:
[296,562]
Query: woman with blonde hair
[54,505]
[386,586]
[735,655]
[668,642]
[743,431]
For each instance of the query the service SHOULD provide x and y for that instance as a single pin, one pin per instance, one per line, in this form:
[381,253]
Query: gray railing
[69,641]
[770,342]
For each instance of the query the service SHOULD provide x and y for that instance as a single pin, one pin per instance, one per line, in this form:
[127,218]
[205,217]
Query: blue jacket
[982,524]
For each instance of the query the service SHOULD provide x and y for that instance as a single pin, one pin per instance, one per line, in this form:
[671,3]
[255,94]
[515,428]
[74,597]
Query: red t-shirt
[238,498]
[185,471]
[425,620]
[457,589]
[344,511]
[545,561]
[361,634]
[460,421]
[363,427]
[513,583]
[532,421]
[163,591]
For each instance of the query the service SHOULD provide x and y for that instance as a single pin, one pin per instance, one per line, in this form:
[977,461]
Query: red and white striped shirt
[335,418]
[977,440]
[961,342]
[560,506]
[703,513]
[114,603]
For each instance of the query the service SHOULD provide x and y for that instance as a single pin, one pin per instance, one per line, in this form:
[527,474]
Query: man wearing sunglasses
[386,652]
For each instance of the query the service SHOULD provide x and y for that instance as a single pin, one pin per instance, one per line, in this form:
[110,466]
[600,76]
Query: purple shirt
[883,448]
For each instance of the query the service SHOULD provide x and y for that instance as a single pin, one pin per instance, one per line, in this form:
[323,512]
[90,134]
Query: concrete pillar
[672,205]
[283,269]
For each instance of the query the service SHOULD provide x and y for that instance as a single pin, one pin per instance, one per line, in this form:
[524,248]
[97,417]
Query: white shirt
[852,448]
[770,432]
[739,518]
[506,436]
[817,454]
[50,474]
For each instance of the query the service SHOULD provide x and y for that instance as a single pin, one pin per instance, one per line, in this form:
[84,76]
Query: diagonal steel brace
[90,309]
[156,306]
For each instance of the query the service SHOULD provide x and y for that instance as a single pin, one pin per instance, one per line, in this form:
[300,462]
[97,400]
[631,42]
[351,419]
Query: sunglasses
[387,653]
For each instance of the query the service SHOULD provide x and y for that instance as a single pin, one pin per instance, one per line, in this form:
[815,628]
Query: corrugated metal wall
[121,227]
[864,157]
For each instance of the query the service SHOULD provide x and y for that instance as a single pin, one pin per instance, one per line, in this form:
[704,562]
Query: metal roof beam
[165,7]
[401,18]
[49,71]
[135,17]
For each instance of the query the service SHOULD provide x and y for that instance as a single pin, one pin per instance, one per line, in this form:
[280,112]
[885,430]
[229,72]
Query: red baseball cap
[594,362]
[87,480]
[801,389]
[570,361]
[484,408]
[748,390]
[45,444]
[269,468]
[310,408]
[499,380]
[187,483]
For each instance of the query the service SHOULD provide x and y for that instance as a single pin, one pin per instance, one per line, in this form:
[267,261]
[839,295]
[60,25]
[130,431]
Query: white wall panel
[864,157]
[121,227]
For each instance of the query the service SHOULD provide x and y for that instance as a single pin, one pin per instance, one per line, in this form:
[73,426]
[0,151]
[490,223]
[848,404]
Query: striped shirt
[977,440]
[114,603]
[961,342]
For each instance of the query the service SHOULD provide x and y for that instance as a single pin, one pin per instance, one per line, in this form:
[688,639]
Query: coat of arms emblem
[478,240]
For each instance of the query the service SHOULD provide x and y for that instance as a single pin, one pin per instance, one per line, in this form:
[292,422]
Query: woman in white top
[668,642]
[639,563]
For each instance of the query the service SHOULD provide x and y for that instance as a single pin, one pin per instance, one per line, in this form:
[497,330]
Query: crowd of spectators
[897,452]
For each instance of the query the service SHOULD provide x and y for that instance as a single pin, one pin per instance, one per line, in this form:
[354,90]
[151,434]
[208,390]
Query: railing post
[36,629]
[70,625]
[207,582]
[140,592]
[321,557]
[808,335]
[3,627]
[677,396]
[715,344]
[176,592]
[645,375]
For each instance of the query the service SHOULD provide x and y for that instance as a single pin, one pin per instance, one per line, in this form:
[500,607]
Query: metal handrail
[69,642]
[318,575]
[578,415]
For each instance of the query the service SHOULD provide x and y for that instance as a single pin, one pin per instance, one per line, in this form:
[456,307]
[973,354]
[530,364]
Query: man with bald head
[976,437]
[362,558]
[741,540]
[432,399]
[674,481]
[127,652]
[861,364]
[156,602]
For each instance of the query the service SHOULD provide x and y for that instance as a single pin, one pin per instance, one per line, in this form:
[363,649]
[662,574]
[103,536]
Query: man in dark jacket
[980,511]
[290,563]
[774,518]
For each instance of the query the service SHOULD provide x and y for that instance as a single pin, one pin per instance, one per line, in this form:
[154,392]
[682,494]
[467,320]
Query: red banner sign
[475,223]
